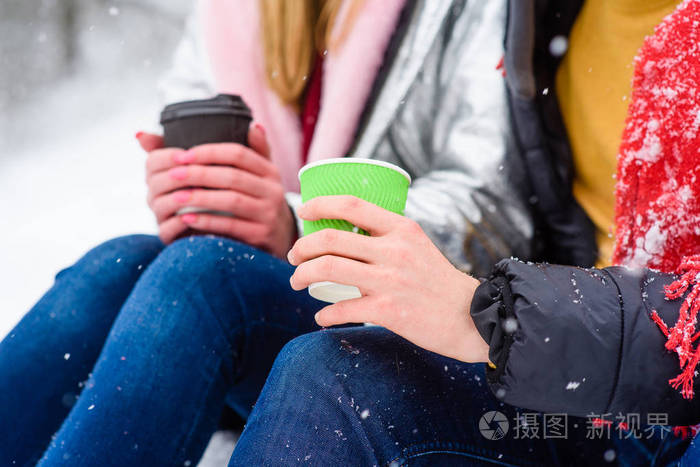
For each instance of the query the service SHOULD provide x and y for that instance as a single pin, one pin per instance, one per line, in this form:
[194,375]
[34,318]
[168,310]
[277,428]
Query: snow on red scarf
[658,188]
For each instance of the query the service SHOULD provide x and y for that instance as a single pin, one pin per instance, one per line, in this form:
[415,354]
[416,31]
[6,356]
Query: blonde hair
[294,32]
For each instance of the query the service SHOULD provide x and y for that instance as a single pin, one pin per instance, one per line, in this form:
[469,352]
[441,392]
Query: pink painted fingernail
[179,173]
[139,135]
[182,196]
[261,128]
[186,157]
[189,218]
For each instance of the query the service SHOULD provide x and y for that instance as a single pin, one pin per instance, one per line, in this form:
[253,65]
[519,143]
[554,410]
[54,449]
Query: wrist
[473,347]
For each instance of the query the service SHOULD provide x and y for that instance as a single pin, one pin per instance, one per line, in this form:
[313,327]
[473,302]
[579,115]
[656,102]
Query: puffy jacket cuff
[491,309]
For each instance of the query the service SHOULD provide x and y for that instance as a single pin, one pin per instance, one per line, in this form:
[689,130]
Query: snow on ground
[71,177]
[219,450]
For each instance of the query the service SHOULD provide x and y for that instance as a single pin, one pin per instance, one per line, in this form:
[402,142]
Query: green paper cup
[378,182]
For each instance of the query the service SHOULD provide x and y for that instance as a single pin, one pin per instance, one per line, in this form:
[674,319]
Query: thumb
[257,139]
[149,141]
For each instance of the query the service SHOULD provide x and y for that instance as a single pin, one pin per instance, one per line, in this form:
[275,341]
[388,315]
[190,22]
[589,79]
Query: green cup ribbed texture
[382,186]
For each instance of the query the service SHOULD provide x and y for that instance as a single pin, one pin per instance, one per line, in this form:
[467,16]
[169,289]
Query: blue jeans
[132,354]
[691,458]
[364,396]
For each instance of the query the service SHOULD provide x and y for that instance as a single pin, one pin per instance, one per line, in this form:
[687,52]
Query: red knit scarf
[658,188]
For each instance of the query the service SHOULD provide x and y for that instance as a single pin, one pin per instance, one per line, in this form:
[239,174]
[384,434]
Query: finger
[149,141]
[335,269]
[170,229]
[163,159]
[257,139]
[246,231]
[336,243]
[215,177]
[235,155]
[356,310]
[238,204]
[361,213]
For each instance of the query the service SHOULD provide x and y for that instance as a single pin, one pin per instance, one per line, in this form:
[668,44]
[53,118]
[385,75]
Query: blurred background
[77,80]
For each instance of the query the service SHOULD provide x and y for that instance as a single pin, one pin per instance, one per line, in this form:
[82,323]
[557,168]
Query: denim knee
[133,253]
[311,354]
[196,255]
[88,295]
[336,348]
[211,261]
[208,273]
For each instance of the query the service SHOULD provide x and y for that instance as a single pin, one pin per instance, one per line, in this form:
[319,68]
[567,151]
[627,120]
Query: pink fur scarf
[232,38]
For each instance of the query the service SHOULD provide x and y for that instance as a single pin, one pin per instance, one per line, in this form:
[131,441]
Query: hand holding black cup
[234,188]
[222,119]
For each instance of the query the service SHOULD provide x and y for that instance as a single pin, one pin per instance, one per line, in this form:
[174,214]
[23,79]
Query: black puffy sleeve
[580,341]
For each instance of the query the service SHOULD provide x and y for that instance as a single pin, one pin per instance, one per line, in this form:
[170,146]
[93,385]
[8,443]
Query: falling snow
[510,325]
[573,385]
[609,455]
[558,46]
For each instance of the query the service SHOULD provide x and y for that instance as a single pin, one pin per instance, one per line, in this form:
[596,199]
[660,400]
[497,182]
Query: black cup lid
[223,104]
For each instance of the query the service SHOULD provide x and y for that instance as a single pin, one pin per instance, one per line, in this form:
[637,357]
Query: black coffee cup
[222,119]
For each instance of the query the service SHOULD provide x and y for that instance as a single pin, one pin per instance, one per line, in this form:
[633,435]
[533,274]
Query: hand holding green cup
[377,182]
